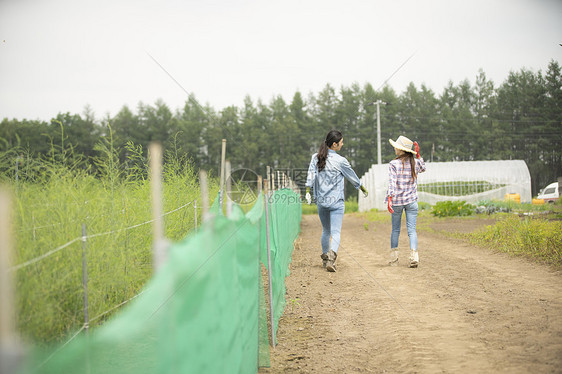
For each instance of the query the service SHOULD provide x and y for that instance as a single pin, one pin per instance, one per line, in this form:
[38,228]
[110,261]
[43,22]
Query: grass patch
[554,211]
[309,209]
[375,215]
[538,239]
[452,208]
[351,206]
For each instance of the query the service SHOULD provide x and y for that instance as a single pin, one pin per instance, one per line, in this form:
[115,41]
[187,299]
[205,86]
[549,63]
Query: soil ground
[465,309]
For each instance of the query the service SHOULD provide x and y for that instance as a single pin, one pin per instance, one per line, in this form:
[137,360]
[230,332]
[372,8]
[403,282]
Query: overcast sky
[61,55]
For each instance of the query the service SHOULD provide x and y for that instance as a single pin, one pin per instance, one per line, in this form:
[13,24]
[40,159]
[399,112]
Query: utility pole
[379,157]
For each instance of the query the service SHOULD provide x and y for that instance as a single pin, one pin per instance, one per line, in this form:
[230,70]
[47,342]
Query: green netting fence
[284,222]
[203,311]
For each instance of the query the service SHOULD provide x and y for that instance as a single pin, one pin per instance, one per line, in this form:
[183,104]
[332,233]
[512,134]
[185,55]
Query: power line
[396,71]
[434,118]
[189,95]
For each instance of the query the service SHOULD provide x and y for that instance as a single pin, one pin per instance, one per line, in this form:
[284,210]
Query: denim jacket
[328,184]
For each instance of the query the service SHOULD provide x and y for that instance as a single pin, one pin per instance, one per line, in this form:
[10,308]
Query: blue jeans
[331,219]
[411,217]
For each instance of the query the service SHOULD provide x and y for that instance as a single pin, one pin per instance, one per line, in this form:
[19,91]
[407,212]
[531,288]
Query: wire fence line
[75,205]
[135,226]
[61,347]
[60,223]
[93,218]
[86,326]
[84,238]
[115,307]
[37,259]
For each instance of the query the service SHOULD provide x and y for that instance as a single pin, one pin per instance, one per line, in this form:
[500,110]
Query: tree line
[519,119]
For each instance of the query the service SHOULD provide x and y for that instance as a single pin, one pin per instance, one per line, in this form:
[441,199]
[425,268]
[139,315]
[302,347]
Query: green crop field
[53,197]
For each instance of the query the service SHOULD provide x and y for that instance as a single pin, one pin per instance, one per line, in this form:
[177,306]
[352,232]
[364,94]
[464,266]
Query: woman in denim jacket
[325,176]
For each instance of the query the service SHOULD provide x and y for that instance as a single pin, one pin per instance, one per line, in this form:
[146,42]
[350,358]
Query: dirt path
[465,309]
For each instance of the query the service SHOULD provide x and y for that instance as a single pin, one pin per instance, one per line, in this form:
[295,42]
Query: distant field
[458,188]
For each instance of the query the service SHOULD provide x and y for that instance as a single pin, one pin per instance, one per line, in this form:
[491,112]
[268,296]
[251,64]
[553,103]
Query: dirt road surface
[464,310]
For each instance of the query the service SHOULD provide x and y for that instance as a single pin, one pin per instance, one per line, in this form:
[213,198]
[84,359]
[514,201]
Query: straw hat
[403,144]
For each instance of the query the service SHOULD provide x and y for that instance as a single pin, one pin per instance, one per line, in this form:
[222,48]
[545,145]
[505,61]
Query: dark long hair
[409,157]
[334,136]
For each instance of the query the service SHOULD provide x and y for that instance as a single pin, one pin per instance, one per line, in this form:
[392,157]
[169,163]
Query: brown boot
[393,257]
[331,265]
[324,257]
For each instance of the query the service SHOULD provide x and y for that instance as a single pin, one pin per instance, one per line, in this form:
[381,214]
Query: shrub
[309,209]
[497,206]
[351,205]
[536,238]
[452,208]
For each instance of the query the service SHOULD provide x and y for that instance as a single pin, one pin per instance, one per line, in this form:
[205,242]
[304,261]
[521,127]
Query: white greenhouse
[471,181]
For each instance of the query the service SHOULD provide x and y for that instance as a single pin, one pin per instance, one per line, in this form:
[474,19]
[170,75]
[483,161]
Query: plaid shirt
[401,186]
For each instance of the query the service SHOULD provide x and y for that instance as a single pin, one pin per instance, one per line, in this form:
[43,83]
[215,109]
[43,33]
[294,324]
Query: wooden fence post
[204,194]
[159,246]
[195,208]
[221,191]
[85,279]
[269,268]
[228,189]
[259,268]
[10,350]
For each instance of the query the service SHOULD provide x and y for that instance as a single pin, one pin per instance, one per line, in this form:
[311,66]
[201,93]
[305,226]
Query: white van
[550,193]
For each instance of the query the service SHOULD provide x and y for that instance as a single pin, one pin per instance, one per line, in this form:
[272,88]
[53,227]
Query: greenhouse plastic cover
[203,311]
[500,177]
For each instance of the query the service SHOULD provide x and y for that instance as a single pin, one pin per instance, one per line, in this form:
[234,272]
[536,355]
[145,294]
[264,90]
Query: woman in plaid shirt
[402,195]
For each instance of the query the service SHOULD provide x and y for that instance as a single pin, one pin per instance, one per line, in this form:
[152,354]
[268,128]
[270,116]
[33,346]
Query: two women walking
[326,174]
